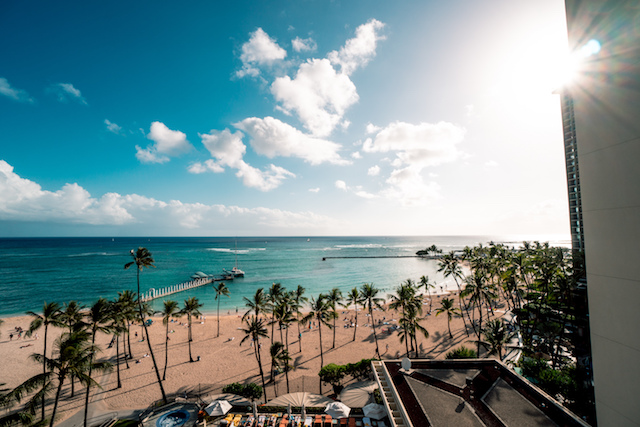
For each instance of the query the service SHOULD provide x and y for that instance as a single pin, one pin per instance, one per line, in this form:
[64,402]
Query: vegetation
[221,290]
[462,353]
[251,391]
[191,308]
[333,374]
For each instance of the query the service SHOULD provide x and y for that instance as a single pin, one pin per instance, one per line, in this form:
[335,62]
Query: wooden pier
[153,293]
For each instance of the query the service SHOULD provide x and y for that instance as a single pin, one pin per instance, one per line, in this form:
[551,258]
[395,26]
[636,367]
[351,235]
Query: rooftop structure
[473,392]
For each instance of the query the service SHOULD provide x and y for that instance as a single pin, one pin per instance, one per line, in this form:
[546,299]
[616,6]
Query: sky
[279,118]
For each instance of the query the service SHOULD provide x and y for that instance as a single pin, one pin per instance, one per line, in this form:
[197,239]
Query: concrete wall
[606,97]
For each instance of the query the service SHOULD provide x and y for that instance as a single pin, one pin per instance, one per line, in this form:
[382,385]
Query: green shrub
[251,391]
[332,374]
[360,370]
[462,353]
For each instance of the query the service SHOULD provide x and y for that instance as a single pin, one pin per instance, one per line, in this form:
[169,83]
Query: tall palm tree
[353,297]
[480,292]
[273,296]
[410,305]
[221,290]
[334,297]
[72,315]
[258,304]
[97,319]
[370,300]
[255,330]
[142,258]
[449,265]
[191,308]
[127,300]
[446,306]
[427,285]
[410,322]
[297,301]
[169,310]
[51,315]
[319,311]
[74,356]
[283,315]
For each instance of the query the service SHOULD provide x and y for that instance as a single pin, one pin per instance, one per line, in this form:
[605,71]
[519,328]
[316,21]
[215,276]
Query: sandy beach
[224,360]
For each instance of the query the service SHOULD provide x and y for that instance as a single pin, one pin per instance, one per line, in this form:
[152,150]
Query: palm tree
[353,297]
[191,308]
[142,259]
[448,308]
[127,301]
[496,337]
[410,323]
[283,315]
[449,265]
[254,330]
[427,285]
[169,310]
[334,297]
[221,290]
[257,305]
[369,300]
[273,296]
[97,321]
[279,359]
[51,315]
[480,293]
[320,312]
[75,355]
[116,326]
[72,315]
[297,301]
[410,304]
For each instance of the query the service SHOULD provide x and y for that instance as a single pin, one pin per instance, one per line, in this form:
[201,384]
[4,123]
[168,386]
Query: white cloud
[112,127]
[318,95]
[314,190]
[304,45]
[356,155]
[258,51]
[371,129]
[24,200]
[227,150]
[358,51]
[341,185]
[491,164]
[13,93]
[408,187]
[374,171]
[66,92]
[270,137]
[418,145]
[167,143]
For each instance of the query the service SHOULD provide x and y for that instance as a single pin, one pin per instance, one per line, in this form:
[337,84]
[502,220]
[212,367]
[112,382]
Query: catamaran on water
[235,271]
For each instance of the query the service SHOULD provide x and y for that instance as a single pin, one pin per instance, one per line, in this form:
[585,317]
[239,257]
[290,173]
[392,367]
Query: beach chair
[366,422]
[343,422]
[317,422]
[237,419]
[249,422]
[308,422]
[228,419]
[352,422]
[326,420]
[261,420]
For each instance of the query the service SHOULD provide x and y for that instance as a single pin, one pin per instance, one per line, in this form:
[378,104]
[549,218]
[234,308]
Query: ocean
[35,270]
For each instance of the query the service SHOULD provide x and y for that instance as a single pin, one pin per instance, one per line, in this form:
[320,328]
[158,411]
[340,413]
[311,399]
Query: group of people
[20,333]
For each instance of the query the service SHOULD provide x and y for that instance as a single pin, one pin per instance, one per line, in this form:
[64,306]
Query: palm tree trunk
[166,353]
[129,339]
[460,303]
[55,403]
[299,337]
[189,340]
[86,398]
[256,350]
[375,337]
[449,325]
[218,318]
[146,332]
[118,361]
[334,333]
[321,355]
[356,324]
[44,363]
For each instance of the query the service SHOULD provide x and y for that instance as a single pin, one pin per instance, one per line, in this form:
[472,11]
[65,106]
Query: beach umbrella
[218,407]
[359,394]
[234,399]
[303,413]
[255,410]
[300,399]
[337,410]
[375,411]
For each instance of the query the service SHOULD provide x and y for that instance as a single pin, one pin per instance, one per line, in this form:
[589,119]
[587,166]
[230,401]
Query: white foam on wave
[360,246]
[89,254]
[234,251]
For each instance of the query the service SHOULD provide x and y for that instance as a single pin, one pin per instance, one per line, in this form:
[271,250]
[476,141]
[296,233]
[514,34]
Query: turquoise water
[62,269]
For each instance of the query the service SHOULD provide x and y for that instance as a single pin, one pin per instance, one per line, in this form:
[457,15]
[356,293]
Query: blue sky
[359,117]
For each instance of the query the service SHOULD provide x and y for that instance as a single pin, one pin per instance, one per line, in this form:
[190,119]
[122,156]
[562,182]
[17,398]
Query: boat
[235,271]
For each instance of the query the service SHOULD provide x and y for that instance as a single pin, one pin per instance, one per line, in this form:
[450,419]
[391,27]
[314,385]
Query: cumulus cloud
[65,92]
[341,185]
[408,187]
[356,155]
[16,94]
[318,95]
[227,150]
[167,143]
[358,51]
[304,45]
[371,129]
[418,145]
[260,50]
[24,200]
[270,137]
[112,127]
[374,171]
[314,190]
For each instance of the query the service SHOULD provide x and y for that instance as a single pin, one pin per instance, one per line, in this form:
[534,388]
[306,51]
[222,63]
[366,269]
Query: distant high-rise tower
[604,100]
